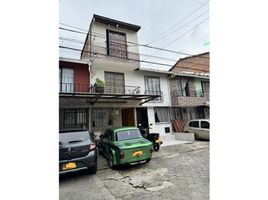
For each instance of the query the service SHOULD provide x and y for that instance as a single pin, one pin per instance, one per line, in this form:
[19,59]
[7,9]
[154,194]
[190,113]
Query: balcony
[107,92]
[181,99]
[115,53]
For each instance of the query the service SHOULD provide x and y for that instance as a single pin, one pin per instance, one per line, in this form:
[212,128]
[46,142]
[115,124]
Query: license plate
[137,153]
[70,165]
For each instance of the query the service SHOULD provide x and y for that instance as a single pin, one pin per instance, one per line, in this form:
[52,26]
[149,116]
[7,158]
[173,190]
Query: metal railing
[93,89]
[122,53]
[153,92]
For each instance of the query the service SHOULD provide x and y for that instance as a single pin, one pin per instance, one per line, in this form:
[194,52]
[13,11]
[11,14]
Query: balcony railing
[125,53]
[92,89]
[153,92]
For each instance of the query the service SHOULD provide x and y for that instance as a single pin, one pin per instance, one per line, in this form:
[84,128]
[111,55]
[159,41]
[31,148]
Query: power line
[143,45]
[179,22]
[80,42]
[186,32]
[182,26]
[156,63]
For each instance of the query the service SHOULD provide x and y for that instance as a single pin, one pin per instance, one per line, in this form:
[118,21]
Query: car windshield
[128,134]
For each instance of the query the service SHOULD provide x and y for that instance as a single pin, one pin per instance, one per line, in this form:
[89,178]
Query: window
[161,114]
[116,44]
[66,78]
[205,124]
[114,83]
[152,86]
[183,88]
[128,134]
[176,113]
[75,118]
[194,124]
[101,117]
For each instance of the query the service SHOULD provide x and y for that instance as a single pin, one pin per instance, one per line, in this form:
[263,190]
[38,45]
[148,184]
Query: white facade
[102,63]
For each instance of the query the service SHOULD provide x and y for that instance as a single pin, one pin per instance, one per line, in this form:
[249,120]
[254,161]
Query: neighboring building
[189,87]
[130,95]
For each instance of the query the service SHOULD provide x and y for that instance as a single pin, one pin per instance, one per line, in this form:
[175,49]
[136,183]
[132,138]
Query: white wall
[157,127]
[100,28]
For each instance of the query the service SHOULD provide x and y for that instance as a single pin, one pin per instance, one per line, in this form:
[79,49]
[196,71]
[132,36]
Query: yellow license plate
[137,153]
[70,165]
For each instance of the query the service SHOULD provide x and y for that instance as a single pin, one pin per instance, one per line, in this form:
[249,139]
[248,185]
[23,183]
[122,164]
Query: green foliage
[99,83]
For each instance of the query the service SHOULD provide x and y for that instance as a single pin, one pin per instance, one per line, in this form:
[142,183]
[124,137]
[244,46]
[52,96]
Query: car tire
[156,147]
[93,169]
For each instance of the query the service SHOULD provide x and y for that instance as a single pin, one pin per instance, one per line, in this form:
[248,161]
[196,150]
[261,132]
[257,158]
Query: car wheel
[93,169]
[156,147]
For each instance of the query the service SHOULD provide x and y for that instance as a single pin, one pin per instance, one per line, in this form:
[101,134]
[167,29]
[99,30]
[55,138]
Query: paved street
[175,172]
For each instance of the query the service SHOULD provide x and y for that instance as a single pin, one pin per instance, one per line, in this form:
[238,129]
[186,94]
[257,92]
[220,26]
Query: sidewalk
[169,139]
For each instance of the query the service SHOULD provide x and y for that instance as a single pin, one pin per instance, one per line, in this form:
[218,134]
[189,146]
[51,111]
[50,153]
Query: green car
[125,145]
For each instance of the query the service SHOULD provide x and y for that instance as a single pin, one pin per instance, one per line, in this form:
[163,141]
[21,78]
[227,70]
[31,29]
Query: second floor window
[66,79]
[183,88]
[116,44]
[152,86]
[114,82]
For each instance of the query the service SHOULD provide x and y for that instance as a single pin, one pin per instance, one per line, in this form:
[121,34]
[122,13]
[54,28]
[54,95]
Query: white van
[200,127]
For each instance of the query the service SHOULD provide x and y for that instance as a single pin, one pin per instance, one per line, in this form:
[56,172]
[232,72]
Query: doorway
[142,117]
[128,118]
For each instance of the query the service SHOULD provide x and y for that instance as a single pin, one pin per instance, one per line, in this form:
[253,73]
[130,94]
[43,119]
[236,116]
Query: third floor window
[116,44]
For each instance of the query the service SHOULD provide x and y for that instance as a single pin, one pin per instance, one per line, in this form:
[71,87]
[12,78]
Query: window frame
[168,115]
[189,125]
[74,113]
[147,91]
[202,122]
[108,43]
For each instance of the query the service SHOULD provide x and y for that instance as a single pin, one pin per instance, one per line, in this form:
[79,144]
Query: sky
[164,24]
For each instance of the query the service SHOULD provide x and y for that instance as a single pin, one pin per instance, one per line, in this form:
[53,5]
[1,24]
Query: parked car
[125,145]
[77,151]
[200,127]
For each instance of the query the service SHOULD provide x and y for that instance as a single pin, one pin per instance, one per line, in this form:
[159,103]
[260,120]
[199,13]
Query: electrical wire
[156,63]
[178,22]
[143,45]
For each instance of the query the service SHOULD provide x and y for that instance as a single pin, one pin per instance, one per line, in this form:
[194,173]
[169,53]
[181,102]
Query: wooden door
[128,118]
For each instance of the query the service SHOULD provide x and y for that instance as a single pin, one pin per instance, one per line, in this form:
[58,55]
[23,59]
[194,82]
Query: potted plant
[99,86]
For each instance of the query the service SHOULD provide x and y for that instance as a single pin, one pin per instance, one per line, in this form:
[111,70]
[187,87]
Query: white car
[200,127]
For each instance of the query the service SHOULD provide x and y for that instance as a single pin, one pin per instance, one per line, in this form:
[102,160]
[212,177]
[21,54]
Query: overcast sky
[156,18]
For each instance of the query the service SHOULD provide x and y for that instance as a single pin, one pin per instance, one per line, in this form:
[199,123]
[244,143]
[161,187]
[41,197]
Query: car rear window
[194,124]
[204,124]
[74,137]
[128,134]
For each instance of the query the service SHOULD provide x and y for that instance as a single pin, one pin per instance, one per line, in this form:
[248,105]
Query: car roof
[124,128]
[198,120]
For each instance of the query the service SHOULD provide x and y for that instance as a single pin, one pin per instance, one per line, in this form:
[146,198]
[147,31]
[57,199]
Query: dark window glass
[204,124]
[128,135]
[194,124]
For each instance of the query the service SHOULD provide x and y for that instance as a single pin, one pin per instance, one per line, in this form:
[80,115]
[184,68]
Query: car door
[194,127]
[204,129]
